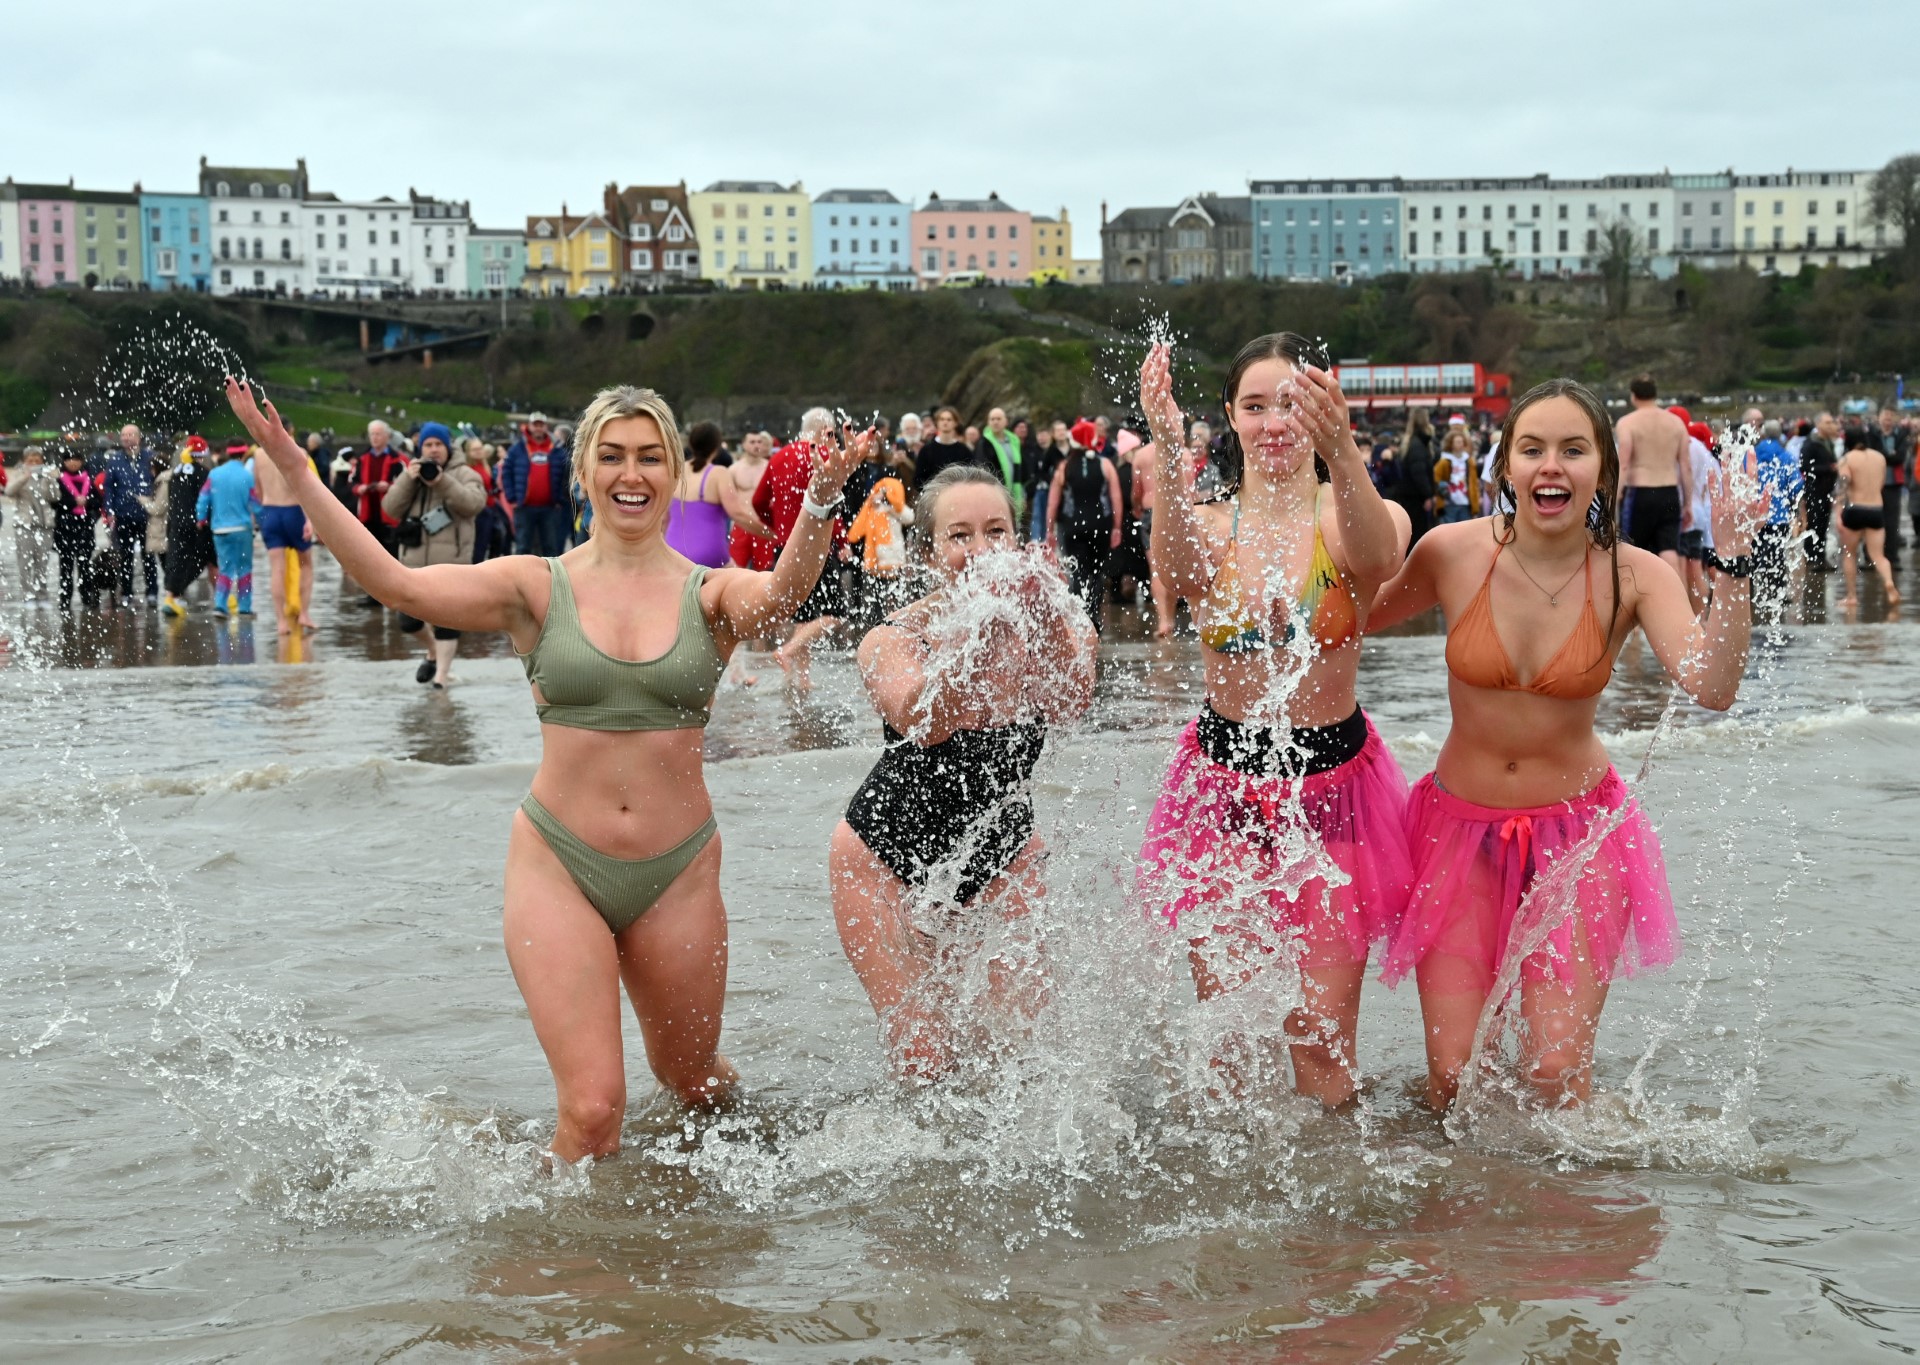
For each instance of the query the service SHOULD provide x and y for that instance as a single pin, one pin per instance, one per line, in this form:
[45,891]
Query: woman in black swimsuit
[946,815]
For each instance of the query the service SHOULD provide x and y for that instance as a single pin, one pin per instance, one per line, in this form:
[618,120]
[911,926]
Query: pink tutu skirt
[1211,846]
[1475,863]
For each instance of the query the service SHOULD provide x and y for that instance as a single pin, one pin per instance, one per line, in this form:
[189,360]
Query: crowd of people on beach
[1285,837]
[629,560]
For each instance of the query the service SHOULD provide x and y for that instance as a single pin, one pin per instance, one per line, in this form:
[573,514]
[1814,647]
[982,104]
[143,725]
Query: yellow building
[1052,248]
[1087,270]
[571,255]
[1797,218]
[754,234]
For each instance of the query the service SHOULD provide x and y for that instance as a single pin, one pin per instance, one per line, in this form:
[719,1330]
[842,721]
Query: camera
[429,470]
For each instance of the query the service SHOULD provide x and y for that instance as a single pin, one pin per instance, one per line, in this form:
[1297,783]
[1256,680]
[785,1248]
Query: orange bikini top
[1477,658]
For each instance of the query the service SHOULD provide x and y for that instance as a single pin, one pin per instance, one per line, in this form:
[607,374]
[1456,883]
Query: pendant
[1552,601]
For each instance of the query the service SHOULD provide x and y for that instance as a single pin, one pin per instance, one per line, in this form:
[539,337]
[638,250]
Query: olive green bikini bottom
[621,889]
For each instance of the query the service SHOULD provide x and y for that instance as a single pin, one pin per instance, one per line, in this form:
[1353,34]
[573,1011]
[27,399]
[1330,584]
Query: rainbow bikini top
[1325,609]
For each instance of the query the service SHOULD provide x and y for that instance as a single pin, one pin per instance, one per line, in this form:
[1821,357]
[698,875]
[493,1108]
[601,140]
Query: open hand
[265,428]
[1164,419]
[1320,413]
[834,459]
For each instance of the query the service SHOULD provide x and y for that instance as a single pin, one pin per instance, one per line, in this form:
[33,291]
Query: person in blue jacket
[225,505]
[534,482]
[129,479]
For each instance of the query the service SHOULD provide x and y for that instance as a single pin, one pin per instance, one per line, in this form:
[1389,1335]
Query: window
[1653,239]
[1593,212]
[1746,237]
[1513,211]
[222,191]
[193,237]
[1486,213]
[1779,236]
[1653,208]
[1413,244]
[320,241]
[1593,240]
[1340,216]
[1840,206]
[1714,242]
[676,232]
[790,210]
[1013,231]
[640,258]
[1460,211]
[1536,241]
[1779,207]
[429,251]
[341,241]
[1713,209]
[973,262]
[993,260]
[396,267]
[93,256]
[1813,236]
[973,230]
[793,235]
[259,249]
[1563,240]
[1813,207]
[154,234]
[1746,208]
[793,257]
[833,247]
[950,232]
[597,258]
[224,252]
[1413,215]
[1313,217]
[873,246]
[1437,244]
[393,238]
[257,190]
[950,260]
[1686,239]
[739,235]
[767,256]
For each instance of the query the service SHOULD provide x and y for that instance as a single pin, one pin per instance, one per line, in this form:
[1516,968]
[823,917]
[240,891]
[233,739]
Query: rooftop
[749,187]
[993,203]
[857,197]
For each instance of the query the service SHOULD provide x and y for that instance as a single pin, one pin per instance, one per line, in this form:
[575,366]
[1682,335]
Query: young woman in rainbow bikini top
[1281,778]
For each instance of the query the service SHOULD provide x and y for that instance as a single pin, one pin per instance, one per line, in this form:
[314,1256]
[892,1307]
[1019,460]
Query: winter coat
[155,507]
[31,491]
[459,491]
[513,474]
[129,483]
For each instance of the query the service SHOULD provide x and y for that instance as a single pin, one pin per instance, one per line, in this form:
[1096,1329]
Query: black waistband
[1254,750]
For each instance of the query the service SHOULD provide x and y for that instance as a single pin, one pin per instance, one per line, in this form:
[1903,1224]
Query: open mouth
[1550,501]
[633,502]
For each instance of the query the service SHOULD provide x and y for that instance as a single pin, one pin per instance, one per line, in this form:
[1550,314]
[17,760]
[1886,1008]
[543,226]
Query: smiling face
[1555,463]
[1260,409]
[631,481]
[970,519]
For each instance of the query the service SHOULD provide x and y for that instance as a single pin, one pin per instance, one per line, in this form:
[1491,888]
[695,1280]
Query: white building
[1793,219]
[437,257]
[9,231]
[1535,225]
[358,248]
[255,227]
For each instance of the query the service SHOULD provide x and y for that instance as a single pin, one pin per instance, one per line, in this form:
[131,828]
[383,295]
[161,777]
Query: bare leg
[1326,1023]
[1849,552]
[277,578]
[306,590]
[889,956]
[443,653]
[1453,990]
[674,962]
[1877,552]
[1560,1023]
[795,656]
[1163,608]
[568,969]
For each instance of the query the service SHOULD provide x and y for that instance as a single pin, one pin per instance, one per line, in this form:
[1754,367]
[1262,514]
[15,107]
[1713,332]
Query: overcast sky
[518,106]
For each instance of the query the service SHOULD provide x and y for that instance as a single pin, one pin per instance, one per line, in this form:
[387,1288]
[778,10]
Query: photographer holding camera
[434,501]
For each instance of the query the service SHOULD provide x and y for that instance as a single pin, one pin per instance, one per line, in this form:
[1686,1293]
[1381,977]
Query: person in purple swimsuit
[701,507]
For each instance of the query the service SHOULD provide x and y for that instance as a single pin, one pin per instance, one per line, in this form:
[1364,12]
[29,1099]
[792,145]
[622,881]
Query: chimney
[1103,213]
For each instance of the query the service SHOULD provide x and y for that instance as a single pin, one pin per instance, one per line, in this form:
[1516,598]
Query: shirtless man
[1862,472]
[284,528]
[1656,483]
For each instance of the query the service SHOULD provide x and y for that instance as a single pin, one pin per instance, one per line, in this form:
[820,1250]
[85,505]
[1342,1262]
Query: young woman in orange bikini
[1282,571]
[1522,778]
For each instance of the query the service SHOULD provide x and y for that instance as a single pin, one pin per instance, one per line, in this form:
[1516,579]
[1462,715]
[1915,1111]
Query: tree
[1894,201]
[1622,256]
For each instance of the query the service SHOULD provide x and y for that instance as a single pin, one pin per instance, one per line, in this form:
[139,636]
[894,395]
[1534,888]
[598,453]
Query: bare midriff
[1238,685]
[1512,749]
[627,793]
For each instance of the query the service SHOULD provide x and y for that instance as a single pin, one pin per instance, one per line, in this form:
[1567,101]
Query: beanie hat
[434,430]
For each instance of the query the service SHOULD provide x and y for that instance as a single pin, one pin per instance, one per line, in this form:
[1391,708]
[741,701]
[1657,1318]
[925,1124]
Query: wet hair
[1603,529]
[1642,387]
[1855,439]
[952,477]
[1291,347]
[703,443]
[610,405]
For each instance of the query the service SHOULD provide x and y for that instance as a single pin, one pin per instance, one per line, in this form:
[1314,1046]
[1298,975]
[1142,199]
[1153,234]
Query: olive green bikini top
[588,689]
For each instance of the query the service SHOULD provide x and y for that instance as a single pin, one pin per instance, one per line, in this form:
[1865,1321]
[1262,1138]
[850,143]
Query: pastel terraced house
[754,234]
[969,239]
[46,237]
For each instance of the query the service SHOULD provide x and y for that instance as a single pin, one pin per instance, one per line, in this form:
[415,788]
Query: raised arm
[1706,656]
[487,596]
[755,604]
[1373,542]
[1178,550]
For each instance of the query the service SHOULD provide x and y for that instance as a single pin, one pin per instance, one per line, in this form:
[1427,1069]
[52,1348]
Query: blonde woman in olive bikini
[613,866]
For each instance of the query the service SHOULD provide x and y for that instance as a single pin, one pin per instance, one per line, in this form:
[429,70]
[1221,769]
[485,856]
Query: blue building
[174,249]
[1326,229]
[861,240]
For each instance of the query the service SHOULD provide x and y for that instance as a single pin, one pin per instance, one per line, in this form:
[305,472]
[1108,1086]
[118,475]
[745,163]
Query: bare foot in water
[307,624]
[284,626]
[1163,630]
[1847,602]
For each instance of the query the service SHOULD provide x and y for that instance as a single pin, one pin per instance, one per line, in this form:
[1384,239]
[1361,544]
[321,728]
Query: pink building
[971,239]
[46,232]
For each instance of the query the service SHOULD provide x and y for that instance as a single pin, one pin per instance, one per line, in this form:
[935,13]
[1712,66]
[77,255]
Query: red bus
[1451,387]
